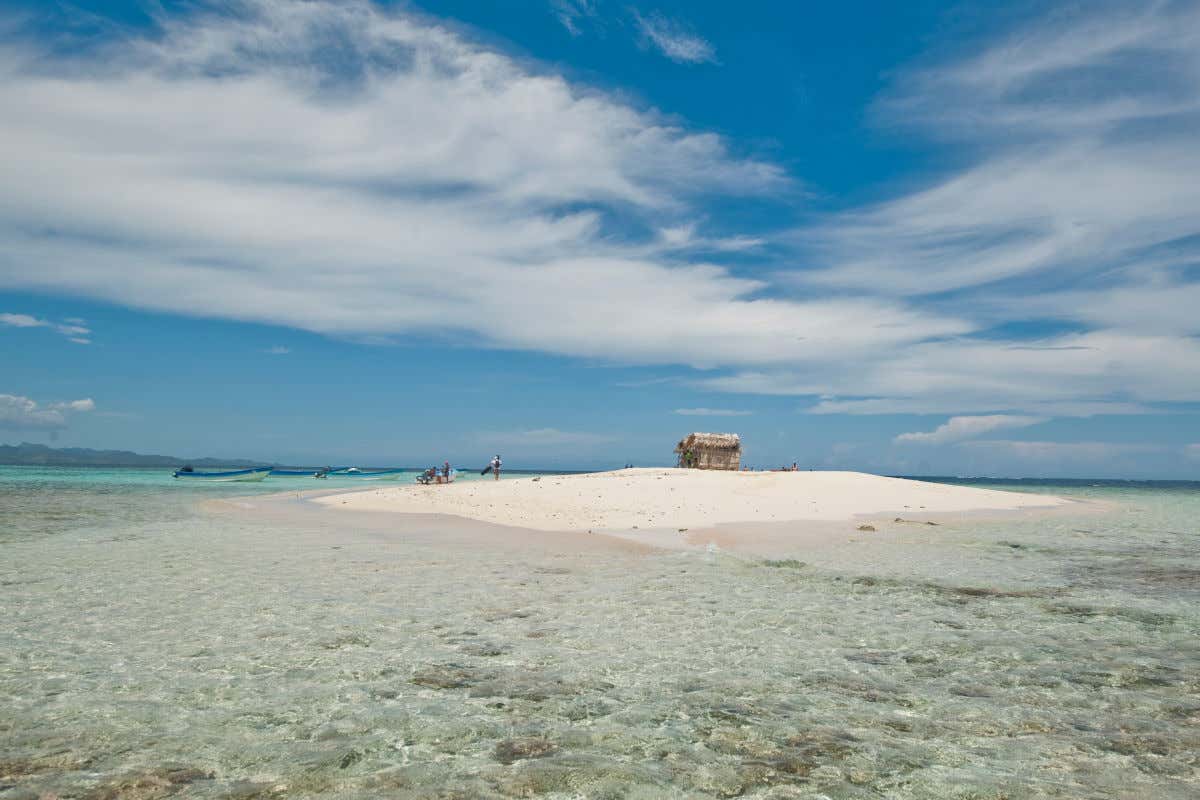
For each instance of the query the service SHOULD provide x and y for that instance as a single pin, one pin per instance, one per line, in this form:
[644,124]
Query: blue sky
[938,238]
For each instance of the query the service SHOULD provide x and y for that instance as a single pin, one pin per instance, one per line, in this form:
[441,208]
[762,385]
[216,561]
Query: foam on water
[150,648]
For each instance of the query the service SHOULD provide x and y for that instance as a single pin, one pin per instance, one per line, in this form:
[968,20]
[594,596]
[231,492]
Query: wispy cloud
[1077,375]
[685,237]
[1083,122]
[21,321]
[277,350]
[673,39]
[572,13]
[86,404]
[18,412]
[957,429]
[74,329]
[712,412]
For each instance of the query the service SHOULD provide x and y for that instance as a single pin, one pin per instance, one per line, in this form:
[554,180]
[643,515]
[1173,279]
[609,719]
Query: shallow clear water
[152,648]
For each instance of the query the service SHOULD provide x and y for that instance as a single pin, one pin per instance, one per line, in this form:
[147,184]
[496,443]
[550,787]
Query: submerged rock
[149,785]
[447,676]
[484,649]
[511,750]
[523,688]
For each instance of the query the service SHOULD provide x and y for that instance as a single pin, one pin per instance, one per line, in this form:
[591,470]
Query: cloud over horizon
[18,412]
[958,429]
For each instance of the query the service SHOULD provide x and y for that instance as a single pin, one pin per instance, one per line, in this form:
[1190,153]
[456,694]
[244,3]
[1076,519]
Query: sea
[155,644]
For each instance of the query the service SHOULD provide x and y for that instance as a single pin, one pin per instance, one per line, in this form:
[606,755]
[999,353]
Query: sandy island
[675,499]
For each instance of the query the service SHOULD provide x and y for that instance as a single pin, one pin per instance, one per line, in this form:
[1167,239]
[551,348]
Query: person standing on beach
[495,465]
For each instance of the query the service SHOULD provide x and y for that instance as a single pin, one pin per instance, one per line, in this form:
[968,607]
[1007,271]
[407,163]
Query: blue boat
[305,473]
[252,474]
[370,475]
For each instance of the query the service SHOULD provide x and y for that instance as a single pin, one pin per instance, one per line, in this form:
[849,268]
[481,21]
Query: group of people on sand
[443,474]
[446,473]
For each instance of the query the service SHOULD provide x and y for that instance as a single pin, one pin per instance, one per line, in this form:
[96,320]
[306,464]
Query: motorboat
[370,474]
[243,475]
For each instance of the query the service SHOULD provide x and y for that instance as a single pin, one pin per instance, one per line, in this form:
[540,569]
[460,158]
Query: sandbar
[667,498]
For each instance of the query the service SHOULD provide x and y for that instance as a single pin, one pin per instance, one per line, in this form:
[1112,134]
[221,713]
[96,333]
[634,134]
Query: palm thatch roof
[709,441]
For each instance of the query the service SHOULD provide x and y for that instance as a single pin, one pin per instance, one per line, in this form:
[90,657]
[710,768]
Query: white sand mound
[678,498]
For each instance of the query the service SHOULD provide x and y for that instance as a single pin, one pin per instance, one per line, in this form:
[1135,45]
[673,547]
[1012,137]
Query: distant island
[39,455]
[28,454]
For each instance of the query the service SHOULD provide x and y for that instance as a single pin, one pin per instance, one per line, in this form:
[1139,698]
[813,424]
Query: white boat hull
[246,477]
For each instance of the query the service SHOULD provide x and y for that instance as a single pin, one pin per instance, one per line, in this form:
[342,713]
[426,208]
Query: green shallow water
[151,649]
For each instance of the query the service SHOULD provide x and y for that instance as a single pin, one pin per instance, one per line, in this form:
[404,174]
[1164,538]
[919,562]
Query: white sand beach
[662,498]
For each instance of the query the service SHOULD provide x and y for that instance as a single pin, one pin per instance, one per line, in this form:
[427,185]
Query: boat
[304,473]
[370,475]
[252,474]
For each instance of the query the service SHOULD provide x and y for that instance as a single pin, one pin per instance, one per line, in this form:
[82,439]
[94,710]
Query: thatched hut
[710,451]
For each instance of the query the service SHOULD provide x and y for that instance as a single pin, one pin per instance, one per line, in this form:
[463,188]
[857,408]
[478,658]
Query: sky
[939,238]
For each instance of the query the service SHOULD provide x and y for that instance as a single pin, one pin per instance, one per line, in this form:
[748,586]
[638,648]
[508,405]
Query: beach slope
[676,498]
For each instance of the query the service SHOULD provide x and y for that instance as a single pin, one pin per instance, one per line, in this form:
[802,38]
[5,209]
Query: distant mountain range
[29,454]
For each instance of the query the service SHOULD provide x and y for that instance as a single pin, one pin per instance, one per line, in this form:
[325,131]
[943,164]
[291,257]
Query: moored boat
[317,472]
[370,475]
[252,474]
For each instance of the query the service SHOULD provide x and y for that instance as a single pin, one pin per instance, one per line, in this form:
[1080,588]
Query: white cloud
[21,321]
[1083,126]
[571,13]
[1082,132]
[674,40]
[74,328]
[683,237]
[712,412]
[21,413]
[277,350]
[435,191]
[956,429]
[1192,451]
[1159,305]
[86,404]
[1104,372]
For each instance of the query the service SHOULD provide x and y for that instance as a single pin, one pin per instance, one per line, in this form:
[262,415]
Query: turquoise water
[45,500]
[153,647]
